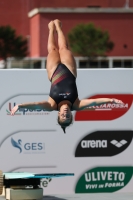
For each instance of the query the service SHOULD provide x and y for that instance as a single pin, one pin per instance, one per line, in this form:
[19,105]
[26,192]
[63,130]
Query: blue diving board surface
[20,175]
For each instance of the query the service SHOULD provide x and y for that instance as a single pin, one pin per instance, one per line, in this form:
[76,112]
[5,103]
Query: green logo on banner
[104,179]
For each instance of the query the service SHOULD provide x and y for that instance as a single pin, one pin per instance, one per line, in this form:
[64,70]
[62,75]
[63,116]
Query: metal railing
[81,62]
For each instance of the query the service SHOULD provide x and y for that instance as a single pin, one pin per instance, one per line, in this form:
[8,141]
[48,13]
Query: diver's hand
[117,101]
[14,110]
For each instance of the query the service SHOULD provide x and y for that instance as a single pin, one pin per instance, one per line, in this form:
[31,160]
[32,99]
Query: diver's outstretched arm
[33,106]
[94,102]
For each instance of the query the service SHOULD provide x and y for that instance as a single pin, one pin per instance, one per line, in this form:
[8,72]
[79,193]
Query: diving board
[16,175]
[24,185]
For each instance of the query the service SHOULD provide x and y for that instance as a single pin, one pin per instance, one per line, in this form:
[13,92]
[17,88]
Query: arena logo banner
[104,179]
[109,111]
[104,143]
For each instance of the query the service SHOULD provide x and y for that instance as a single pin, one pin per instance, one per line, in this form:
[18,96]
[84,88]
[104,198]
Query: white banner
[97,147]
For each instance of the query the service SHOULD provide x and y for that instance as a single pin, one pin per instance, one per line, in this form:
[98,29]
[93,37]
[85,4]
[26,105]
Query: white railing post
[110,62]
[9,63]
[43,63]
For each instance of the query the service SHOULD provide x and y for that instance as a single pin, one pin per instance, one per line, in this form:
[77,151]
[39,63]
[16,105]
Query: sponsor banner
[45,182]
[25,143]
[108,111]
[104,143]
[29,146]
[104,179]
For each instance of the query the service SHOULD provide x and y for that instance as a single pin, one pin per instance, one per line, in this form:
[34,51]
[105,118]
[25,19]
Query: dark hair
[64,125]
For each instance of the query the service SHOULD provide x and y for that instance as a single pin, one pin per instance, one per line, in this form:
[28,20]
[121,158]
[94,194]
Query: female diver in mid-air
[62,73]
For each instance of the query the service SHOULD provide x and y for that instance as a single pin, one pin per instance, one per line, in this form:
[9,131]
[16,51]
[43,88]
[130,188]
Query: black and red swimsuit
[63,85]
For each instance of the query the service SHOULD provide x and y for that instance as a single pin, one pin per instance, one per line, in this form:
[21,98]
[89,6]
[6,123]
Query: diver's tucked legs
[53,58]
[66,55]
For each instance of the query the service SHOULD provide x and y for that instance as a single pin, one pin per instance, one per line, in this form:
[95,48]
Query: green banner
[104,179]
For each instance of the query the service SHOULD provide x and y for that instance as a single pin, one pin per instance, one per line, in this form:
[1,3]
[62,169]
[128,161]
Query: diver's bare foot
[51,25]
[58,24]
